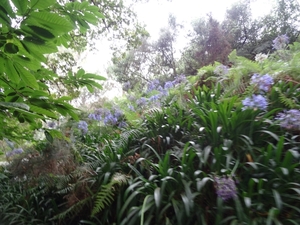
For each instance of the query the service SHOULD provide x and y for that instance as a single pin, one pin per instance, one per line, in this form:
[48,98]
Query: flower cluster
[280,42]
[289,119]
[141,102]
[255,102]
[180,79]
[260,57]
[114,117]
[152,85]
[221,70]
[97,115]
[225,187]
[83,126]
[168,85]
[16,151]
[263,82]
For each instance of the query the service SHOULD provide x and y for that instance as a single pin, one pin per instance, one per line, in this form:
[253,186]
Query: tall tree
[250,36]
[207,44]
[150,59]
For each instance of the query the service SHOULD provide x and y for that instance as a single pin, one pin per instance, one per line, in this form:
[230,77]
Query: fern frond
[73,210]
[106,195]
[288,102]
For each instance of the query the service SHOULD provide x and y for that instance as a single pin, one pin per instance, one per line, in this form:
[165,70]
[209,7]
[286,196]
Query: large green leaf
[41,4]
[11,72]
[43,111]
[14,105]
[93,76]
[42,32]
[22,6]
[31,64]
[6,8]
[26,76]
[38,50]
[11,48]
[55,23]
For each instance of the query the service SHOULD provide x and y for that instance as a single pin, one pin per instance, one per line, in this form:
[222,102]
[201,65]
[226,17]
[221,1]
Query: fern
[288,102]
[73,210]
[106,196]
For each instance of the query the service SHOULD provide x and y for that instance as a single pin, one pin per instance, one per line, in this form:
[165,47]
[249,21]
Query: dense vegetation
[217,147]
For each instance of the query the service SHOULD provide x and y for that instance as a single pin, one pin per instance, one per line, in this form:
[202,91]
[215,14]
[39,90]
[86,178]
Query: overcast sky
[155,15]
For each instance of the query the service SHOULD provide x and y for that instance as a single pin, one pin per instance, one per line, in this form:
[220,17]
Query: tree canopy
[30,30]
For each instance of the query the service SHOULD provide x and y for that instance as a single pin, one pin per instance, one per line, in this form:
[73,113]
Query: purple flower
[131,98]
[152,85]
[168,85]
[154,98]
[83,126]
[289,119]
[97,115]
[225,187]
[51,124]
[122,124]
[255,102]
[141,102]
[263,82]
[163,91]
[280,42]
[131,107]
[16,151]
[179,79]
[118,113]
[221,70]
[110,119]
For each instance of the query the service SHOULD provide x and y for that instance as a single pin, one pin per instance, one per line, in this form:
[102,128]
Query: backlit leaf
[41,4]
[26,76]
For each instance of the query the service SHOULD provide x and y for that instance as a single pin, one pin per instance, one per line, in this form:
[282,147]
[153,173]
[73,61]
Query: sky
[155,15]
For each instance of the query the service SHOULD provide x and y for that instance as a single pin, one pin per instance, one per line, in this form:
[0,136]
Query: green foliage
[164,168]
[28,32]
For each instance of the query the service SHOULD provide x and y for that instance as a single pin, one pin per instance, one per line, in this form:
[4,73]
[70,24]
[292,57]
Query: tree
[151,59]
[250,36]
[208,43]
[29,30]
